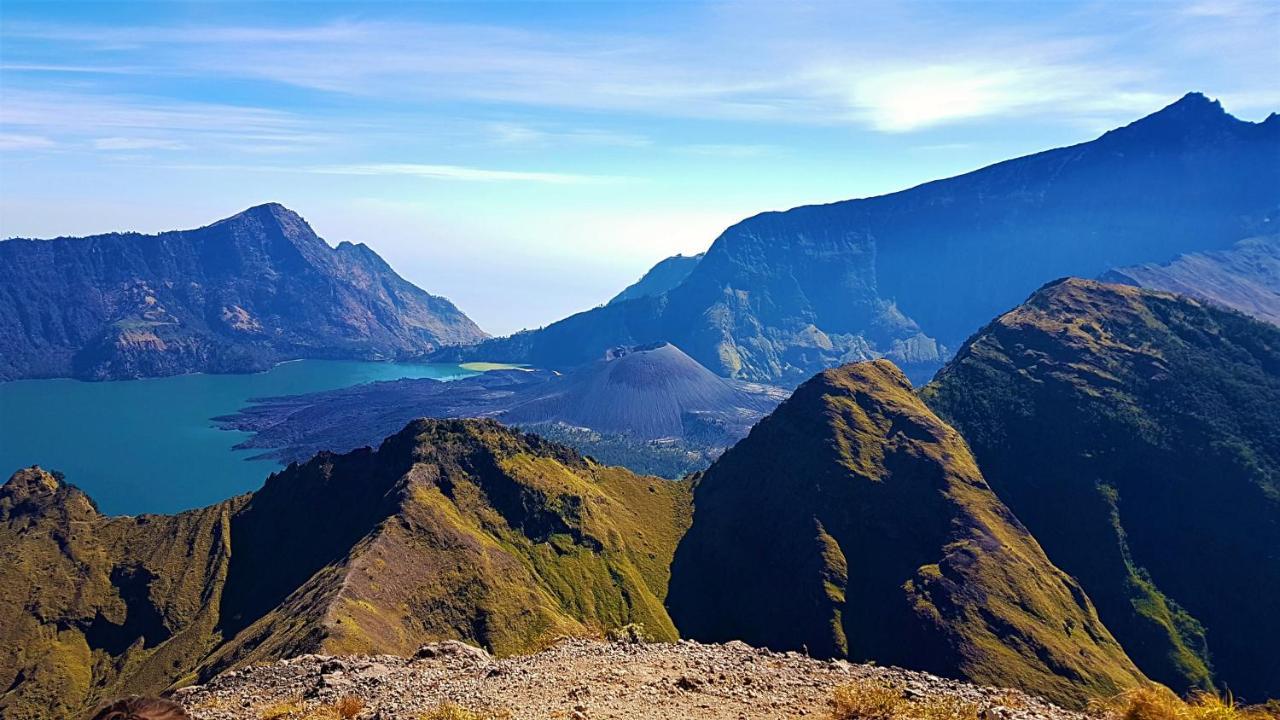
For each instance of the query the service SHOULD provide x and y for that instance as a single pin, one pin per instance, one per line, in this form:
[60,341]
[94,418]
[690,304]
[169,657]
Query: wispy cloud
[457,172]
[144,122]
[795,69]
[137,143]
[523,134]
[16,141]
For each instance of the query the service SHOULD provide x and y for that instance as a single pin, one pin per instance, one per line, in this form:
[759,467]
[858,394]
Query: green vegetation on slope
[853,522]
[1136,434]
[451,529]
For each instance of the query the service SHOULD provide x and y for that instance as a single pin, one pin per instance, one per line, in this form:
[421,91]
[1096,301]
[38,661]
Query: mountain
[651,409]
[852,522]
[661,277]
[1136,434]
[235,296]
[1245,277]
[450,529]
[782,295]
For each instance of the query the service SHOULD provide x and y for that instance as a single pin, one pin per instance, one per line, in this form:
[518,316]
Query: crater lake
[150,446]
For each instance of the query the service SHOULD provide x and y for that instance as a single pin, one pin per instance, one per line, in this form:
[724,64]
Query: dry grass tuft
[872,700]
[282,711]
[345,708]
[866,700]
[348,707]
[1156,702]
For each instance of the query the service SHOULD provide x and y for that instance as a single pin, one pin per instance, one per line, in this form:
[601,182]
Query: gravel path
[583,680]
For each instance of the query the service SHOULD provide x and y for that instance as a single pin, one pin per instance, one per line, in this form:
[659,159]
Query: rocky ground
[582,680]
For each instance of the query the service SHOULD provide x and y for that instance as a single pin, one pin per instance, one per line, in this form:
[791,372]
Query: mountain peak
[1194,115]
[273,217]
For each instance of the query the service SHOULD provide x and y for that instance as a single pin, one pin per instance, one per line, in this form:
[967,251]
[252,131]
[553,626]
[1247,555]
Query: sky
[528,160]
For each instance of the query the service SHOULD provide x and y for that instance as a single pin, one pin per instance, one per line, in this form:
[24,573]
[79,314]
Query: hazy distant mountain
[450,529]
[913,273]
[852,522]
[1137,435]
[660,278]
[235,296]
[1245,277]
[651,409]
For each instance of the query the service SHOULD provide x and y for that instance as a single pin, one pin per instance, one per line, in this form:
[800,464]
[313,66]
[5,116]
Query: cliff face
[852,522]
[451,529]
[782,295]
[1136,434]
[234,296]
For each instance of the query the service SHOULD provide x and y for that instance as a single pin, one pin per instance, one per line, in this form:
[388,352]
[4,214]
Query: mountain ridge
[236,295]
[1172,532]
[782,295]
[873,514]
[457,529]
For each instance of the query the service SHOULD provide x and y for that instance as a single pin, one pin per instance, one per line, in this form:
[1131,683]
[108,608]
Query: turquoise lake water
[148,445]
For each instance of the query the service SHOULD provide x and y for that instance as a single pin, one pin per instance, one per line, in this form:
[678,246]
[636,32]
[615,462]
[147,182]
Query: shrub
[632,633]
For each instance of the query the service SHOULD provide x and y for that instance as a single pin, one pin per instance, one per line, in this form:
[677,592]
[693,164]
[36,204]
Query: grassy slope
[97,606]
[1154,419]
[459,529]
[873,515]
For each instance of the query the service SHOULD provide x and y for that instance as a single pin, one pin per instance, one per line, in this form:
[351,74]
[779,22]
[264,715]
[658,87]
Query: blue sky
[528,160]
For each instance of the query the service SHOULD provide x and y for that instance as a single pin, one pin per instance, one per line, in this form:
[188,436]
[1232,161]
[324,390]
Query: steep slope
[1137,435]
[651,409]
[92,606]
[782,295]
[234,296]
[853,522]
[1245,277]
[660,278]
[451,529]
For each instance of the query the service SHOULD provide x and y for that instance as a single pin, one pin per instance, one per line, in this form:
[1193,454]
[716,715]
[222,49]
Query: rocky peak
[35,490]
[1193,117]
[273,221]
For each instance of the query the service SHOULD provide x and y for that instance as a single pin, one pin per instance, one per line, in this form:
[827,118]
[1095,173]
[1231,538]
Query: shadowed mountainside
[1245,277]
[235,296]
[451,529]
[660,278]
[852,522]
[1136,434]
[782,295]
